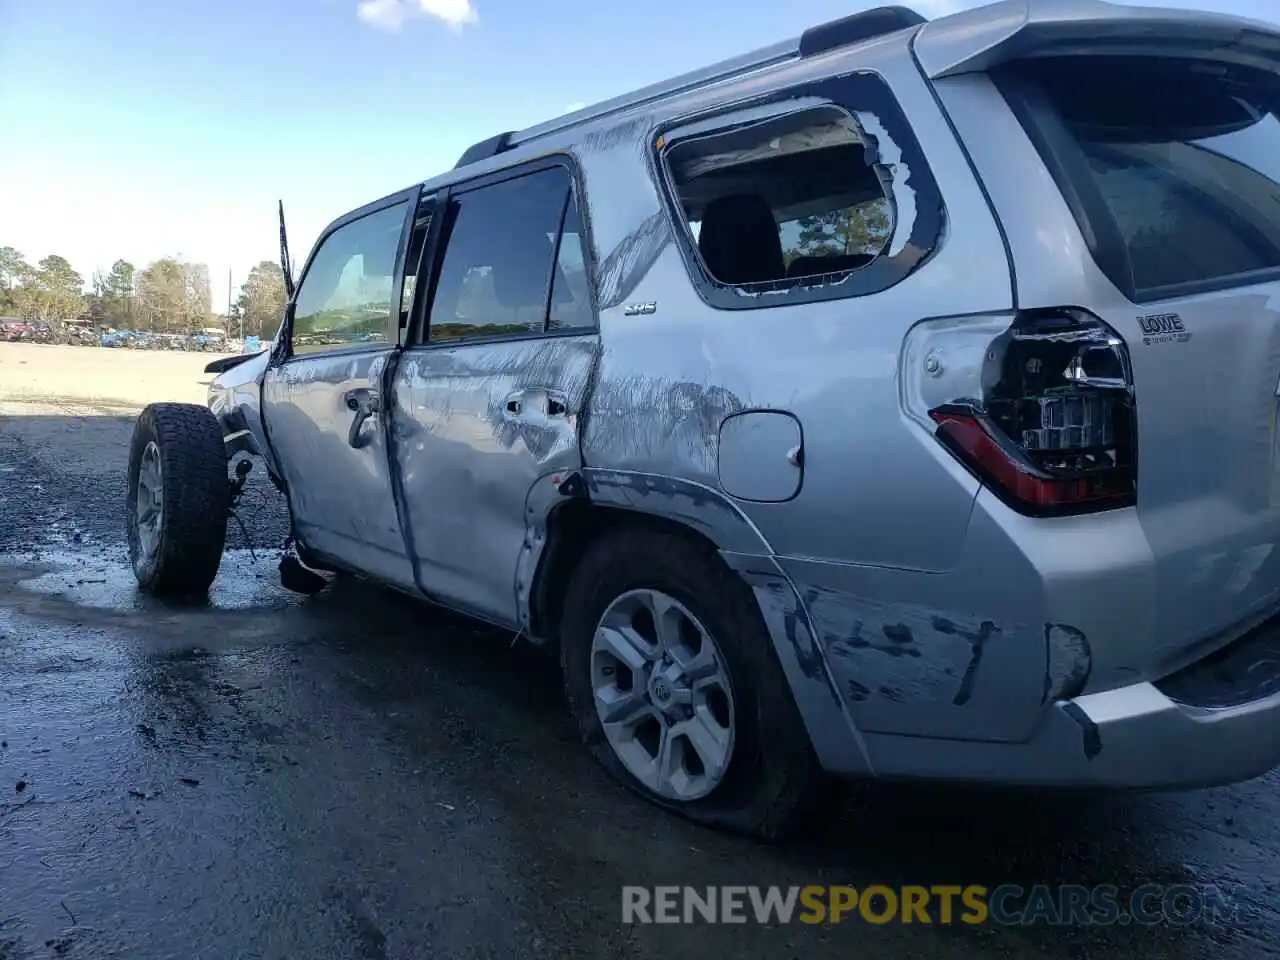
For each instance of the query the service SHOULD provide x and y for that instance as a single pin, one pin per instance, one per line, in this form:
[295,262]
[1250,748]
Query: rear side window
[819,192]
[570,290]
[513,262]
[788,199]
[1171,166]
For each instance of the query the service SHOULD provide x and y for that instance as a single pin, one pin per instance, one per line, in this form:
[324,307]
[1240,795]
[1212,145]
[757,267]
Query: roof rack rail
[857,27]
[819,39]
[484,149]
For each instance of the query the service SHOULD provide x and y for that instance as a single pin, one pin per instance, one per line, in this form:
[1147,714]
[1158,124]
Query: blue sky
[139,128]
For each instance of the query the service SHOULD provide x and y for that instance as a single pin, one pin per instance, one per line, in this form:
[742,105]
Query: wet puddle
[107,583]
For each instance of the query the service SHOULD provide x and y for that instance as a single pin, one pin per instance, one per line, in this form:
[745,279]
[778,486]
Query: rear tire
[178,499]
[771,779]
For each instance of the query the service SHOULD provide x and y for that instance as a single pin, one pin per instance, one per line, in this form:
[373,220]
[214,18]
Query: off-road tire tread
[774,789]
[196,495]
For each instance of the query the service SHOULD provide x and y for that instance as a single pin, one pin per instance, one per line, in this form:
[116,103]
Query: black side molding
[226,363]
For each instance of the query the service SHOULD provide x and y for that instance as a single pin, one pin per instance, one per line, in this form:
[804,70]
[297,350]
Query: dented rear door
[488,396]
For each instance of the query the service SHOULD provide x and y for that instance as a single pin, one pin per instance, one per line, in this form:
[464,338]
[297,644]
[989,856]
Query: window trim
[555,258]
[1065,161]
[860,91]
[431,201]
[418,330]
[410,196]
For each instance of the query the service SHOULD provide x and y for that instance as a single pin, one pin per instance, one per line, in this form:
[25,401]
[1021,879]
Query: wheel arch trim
[703,510]
[691,505]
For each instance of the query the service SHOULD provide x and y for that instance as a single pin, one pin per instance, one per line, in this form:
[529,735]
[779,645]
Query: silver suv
[897,401]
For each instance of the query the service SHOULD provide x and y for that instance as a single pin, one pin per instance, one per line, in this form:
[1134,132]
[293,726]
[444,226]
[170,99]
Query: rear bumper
[1131,738]
[1143,738]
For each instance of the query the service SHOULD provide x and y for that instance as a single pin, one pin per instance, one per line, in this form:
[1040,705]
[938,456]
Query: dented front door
[488,401]
[323,401]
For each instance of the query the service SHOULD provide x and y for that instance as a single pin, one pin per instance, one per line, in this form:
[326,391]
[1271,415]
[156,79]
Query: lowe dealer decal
[1163,328]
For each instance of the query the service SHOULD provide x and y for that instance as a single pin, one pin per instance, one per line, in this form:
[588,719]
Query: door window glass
[497,277]
[345,297]
[571,293]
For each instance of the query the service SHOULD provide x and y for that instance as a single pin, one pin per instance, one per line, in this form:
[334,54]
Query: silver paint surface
[467,465]
[340,495]
[836,740]
[690,368]
[833,365]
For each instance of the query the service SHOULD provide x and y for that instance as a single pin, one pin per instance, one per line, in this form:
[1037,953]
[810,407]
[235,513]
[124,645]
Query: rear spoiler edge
[975,41]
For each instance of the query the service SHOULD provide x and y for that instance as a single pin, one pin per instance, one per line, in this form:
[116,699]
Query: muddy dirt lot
[66,416]
[357,776]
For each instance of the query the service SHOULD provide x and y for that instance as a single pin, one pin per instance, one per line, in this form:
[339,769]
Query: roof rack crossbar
[815,40]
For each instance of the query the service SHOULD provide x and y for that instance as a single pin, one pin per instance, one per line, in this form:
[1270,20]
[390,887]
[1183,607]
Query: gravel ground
[359,776]
[67,415]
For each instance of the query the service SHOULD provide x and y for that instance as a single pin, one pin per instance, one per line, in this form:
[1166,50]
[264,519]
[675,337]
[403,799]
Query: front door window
[345,296]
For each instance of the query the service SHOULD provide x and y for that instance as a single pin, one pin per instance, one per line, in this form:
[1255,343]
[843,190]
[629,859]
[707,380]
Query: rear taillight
[1038,406]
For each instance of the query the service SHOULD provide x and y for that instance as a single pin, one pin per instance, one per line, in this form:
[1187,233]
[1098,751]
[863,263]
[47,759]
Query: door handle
[364,403]
[361,397]
[549,403]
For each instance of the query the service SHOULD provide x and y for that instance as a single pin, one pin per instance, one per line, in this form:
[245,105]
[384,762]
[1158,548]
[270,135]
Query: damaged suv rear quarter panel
[863,563]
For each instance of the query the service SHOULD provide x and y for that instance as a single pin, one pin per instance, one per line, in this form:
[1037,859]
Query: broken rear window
[788,201]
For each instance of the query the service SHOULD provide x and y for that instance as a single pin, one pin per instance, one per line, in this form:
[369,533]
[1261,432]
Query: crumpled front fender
[235,398]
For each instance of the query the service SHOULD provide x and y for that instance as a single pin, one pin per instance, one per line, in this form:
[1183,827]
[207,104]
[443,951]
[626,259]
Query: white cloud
[388,14]
[456,13]
[391,14]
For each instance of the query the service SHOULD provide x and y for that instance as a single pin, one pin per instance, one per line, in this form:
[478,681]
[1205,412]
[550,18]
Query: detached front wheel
[177,499]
